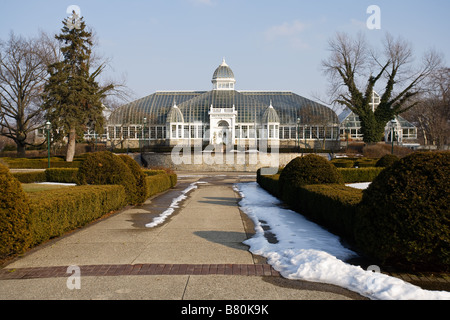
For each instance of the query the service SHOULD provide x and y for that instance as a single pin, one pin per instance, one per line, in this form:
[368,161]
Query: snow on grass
[58,183]
[163,216]
[359,185]
[306,251]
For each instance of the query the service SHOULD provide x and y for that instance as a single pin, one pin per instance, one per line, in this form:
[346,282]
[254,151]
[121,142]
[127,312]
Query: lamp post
[143,132]
[298,133]
[48,126]
[394,125]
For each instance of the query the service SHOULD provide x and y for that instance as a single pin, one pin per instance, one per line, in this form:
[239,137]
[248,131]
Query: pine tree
[72,96]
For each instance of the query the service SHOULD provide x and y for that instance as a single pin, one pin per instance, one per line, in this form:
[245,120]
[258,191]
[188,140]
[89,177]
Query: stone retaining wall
[210,162]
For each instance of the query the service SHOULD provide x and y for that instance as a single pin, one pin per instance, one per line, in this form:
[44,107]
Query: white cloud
[290,31]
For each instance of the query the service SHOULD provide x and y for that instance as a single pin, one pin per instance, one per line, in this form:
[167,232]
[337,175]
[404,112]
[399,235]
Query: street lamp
[394,125]
[347,133]
[298,133]
[48,126]
[143,133]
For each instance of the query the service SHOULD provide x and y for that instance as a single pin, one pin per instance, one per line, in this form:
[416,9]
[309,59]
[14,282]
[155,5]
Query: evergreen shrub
[354,175]
[30,177]
[386,160]
[310,169]
[151,172]
[105,168]
[141,182]
[343,163]
[55,212]
[404,216]
[159,183]
[40,163]
[269,183]
[62,175]
[333,206]
[15,235]
[365,162]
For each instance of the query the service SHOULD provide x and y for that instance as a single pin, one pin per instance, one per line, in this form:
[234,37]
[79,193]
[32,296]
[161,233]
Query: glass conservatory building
[223,116]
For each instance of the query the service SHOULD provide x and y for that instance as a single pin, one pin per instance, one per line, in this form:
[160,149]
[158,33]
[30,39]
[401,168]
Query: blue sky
[270,45]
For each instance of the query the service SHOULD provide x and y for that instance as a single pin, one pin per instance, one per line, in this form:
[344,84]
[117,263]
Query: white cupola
[223,77]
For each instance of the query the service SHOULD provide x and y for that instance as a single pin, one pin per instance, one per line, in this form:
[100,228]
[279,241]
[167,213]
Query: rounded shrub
[311,169]
[387,160]
[343,163]
[15,235]
[139,176]
[103,168]
[404,216]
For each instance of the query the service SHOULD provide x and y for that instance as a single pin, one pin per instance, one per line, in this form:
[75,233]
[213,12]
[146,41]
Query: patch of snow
[360,185]
[306,251]
[57,183]
[174,205]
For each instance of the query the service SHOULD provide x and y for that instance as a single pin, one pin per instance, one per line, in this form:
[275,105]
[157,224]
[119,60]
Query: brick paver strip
[142,269]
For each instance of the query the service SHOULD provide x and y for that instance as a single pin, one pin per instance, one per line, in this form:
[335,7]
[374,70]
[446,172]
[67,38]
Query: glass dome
[270,115]
[223,72]
[175,115]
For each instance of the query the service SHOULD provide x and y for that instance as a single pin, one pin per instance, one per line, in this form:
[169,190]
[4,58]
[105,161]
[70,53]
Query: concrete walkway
[196,254]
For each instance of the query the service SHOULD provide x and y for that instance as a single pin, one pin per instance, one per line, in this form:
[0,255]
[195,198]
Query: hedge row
[30,177]
[41,163]
[349,175]
[402,219]
[27,220]
[331,205]
[56,212]
[62,175]
[159,183]
[354,162]
[353,175]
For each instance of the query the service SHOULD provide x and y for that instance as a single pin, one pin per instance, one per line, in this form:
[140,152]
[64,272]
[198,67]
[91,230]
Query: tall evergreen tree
[72,96]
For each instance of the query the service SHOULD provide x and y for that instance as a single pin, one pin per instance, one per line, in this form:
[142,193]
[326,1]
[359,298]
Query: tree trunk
[71,145]
[20,150]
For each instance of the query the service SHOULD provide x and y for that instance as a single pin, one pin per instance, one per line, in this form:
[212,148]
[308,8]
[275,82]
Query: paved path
[196,254]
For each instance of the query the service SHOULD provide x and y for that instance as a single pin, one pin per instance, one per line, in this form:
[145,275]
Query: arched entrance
[223,132]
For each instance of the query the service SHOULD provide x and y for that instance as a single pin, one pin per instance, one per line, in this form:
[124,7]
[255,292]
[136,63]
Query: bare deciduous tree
[432,113]
[23,70]
[355,70]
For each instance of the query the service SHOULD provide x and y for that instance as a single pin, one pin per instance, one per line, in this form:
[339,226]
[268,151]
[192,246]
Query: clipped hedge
[343,163]
[269,183]
[140,178]
[151,172]
[15,235]
[30,177]
[56,212]
[387,160]
[41,163]
[159,183]
[62,175]
[310,169]
[333,206]
[404,217]
[365,162]
[105,168]
[353,175]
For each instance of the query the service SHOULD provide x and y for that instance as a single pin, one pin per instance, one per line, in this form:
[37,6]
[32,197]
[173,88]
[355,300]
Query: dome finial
[224,64]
